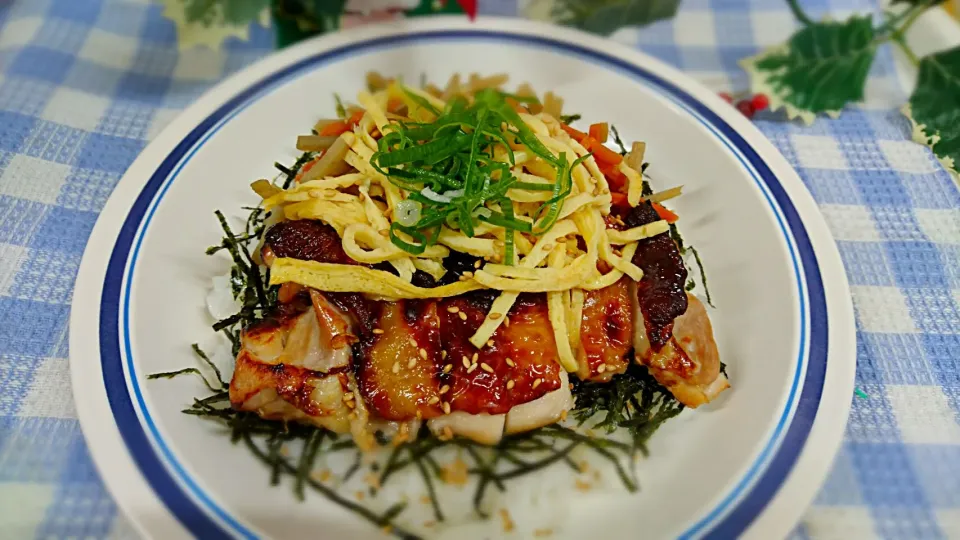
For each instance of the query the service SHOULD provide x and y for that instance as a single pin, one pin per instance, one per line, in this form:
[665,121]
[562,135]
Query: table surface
[84,85]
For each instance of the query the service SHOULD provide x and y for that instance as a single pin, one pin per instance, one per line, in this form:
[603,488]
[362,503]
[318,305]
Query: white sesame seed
[447,368]
[477,264]
[506,321]
[463,316]
[443,355]
[495,316]
[537,382]
[475,357]
[433,400]
[444,389]
[601,368]
[377,331]
[412,363]
[510,384]
[466,362]
[471,368]
[510,362]
[453,309]
[446,407]
[413,342]
[396,367]
[486,367]
[423,353]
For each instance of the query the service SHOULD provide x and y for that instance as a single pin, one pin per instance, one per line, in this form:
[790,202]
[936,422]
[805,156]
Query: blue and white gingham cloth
[85,84]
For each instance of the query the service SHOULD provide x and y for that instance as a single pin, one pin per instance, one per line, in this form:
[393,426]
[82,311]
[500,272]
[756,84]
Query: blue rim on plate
[204,518]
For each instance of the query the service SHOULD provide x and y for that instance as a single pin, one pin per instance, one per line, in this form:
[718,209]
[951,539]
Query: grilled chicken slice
[314,336]
[395,379]
[514,384]
[423,365]
[672,332]
[483,428]
[606,332]
[542,411]
[281,392]
[689,363]
[490,428]
[517,365]
[274,374]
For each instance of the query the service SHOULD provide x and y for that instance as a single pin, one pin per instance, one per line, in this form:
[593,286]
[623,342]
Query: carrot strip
[619,199]
[615,178]
[578,136]
[601,153]
[306,167]
[334,129]
[665,213]
[394,105]
[355,118]
[599,131]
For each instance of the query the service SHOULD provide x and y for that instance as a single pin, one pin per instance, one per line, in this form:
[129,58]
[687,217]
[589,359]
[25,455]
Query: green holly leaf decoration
[607,16]
[210,12]
[934,106]
[296,20]
[210,22]
[433,7]
[820,69]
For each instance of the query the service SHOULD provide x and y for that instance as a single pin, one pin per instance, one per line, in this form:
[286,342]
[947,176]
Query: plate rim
[838,305]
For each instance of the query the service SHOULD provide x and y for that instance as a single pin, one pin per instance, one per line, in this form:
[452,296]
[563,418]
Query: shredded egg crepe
[409,175]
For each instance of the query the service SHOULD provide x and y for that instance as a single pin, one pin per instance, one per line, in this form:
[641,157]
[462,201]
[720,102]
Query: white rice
[542,501]
[220,301]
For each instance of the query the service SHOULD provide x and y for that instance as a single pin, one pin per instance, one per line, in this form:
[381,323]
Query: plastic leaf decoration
[820,69]
[209,23]
[607,16]
[934,106]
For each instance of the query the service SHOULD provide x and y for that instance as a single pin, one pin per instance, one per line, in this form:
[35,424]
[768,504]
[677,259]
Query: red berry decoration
[726,97]
[746,107]
[760,102]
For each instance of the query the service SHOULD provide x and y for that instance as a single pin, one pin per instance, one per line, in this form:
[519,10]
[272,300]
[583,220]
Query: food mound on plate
[456,258]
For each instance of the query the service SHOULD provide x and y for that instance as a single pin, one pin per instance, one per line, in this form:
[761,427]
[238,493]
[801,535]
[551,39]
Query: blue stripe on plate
[181,494]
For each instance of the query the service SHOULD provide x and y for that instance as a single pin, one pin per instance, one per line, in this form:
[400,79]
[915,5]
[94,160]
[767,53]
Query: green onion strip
[453,157]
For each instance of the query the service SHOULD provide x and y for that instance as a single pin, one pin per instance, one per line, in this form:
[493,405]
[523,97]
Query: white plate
[750,462]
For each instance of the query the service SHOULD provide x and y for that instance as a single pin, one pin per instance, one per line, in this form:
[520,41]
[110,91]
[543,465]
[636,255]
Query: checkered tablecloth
[85,84]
